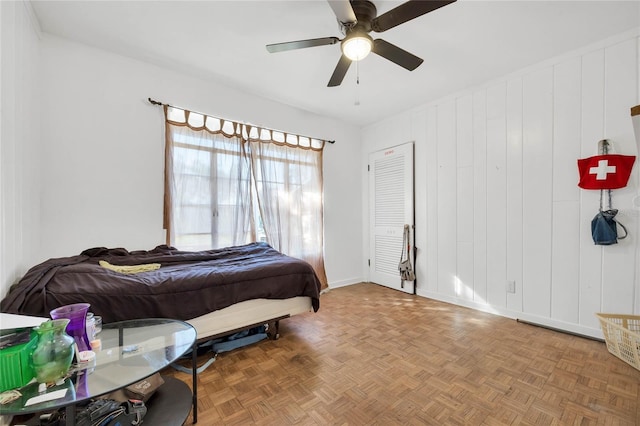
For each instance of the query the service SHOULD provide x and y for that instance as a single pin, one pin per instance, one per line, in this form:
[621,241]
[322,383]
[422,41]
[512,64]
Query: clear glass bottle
[91,326]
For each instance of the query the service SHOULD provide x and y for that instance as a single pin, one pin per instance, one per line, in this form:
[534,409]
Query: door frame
[409,286]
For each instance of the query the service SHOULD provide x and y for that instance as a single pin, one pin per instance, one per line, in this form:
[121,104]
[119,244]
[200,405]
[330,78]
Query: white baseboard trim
[344,283]
[557,325]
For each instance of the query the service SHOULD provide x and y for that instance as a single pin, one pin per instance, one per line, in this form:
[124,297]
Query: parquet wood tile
[376,356]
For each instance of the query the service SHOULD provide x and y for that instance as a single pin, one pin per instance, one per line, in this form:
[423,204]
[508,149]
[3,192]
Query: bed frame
[248,314]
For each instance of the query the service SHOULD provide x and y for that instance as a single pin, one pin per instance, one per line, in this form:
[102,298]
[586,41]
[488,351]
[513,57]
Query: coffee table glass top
[131,351]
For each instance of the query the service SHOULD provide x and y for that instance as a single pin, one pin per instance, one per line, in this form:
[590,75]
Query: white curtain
[288,180]
[208,184]
[228,183]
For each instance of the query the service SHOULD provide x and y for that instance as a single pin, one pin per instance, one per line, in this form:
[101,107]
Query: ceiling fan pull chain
[357,102]
[358,83]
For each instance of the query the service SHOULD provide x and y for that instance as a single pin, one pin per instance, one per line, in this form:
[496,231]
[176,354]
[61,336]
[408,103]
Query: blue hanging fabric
[604,228]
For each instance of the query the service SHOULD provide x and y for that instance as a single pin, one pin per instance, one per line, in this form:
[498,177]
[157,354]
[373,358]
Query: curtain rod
[154,102]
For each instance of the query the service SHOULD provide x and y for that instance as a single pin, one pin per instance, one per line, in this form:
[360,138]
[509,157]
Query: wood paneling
[565,283]
[464,131]
[446,202]
[514,191]
[464,202]
[431,164]
[515,157]
[479,197]
[419,130]
[20,168]
[373,355]
[567,84]
[537,184]
[566,262]
[496,196]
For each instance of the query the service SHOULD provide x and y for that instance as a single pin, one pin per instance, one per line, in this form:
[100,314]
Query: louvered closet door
[390,207]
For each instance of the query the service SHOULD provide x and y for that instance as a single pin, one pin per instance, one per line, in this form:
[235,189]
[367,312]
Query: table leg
[70,414]
[194,373]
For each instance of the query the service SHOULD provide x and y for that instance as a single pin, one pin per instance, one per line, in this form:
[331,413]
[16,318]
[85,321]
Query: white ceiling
[463,44]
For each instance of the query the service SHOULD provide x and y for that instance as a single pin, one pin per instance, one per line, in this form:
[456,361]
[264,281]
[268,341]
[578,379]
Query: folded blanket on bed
[130,269]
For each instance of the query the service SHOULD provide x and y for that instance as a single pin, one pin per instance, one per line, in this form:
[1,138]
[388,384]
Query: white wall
[95,177]
[103,145]
[497,196]
[20,137]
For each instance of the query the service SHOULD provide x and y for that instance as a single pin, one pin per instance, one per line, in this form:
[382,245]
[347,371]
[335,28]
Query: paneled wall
[19,133]
[497,195]
[19,136]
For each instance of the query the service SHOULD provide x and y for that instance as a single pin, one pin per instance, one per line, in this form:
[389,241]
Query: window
[230,184]
[209,194]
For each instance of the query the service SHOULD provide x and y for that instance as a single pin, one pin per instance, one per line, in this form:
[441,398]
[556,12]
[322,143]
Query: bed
[217,291]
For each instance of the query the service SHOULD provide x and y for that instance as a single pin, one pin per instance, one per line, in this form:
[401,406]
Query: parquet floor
[376,356]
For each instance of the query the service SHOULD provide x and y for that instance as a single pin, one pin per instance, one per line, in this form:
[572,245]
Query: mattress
[187,285]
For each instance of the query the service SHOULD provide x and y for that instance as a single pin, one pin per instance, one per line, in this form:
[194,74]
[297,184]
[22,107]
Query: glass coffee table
[131,351]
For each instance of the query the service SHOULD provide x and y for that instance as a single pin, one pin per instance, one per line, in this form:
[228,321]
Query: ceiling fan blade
[339,72]
[343,10]
[300,44]
[406,12]
[396,54]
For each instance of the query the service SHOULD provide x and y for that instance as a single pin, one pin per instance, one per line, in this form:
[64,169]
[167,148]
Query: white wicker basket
[622,335]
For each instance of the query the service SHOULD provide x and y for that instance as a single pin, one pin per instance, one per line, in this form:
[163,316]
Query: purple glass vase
[77,328]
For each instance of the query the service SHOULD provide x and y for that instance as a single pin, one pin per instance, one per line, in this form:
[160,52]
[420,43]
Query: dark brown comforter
[187,285]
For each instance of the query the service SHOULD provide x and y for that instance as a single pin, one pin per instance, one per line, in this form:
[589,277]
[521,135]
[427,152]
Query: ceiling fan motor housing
[365,12]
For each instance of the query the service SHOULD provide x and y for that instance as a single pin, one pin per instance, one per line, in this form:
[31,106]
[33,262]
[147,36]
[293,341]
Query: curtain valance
[245,132]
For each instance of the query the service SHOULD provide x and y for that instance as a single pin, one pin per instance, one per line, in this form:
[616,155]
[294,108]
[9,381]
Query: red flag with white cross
[609,171]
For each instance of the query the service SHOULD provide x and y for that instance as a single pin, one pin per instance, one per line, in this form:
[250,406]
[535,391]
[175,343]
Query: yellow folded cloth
[130,269]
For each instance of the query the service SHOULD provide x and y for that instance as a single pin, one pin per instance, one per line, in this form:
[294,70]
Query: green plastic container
[15,364]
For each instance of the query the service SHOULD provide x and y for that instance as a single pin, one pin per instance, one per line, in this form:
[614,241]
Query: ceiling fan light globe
[357,48]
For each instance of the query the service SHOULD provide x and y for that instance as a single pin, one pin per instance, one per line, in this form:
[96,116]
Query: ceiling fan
[357,18]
